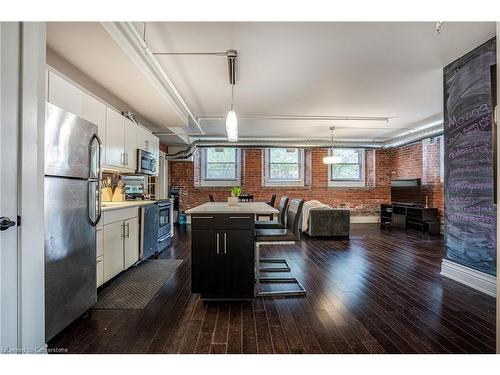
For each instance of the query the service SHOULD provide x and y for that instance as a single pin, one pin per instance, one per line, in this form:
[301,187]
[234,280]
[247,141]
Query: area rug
[136,287]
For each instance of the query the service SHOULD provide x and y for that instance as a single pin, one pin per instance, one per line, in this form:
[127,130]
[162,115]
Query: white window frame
[361,182]
[273,182]
[210,182]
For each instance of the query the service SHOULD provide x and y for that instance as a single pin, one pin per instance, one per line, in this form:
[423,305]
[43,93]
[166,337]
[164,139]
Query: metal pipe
[402,140]
[303,118]
[416,136]
[161,72]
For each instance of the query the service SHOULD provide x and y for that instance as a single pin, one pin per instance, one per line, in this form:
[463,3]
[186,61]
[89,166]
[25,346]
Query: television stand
[410,217]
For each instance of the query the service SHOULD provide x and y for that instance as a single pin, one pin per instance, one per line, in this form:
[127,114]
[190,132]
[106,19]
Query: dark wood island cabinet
[223,249]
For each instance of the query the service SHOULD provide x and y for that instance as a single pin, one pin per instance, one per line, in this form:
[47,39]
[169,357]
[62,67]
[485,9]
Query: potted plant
[235,193]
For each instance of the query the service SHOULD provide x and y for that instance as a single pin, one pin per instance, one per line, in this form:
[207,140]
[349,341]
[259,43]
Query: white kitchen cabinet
[130,144]
[131,241]
[64,94]
[143,139]
[155,149]
[120,241]
[113,250]
[100,271]
[115,138]
[94,111]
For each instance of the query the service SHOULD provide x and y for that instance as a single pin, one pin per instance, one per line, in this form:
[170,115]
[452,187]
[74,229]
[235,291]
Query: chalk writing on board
[470,212]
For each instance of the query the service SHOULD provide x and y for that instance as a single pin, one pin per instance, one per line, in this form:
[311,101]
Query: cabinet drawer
[100,271]
[218,221]
[119,214]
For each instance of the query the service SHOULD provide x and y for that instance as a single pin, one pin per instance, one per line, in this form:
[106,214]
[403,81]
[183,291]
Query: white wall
[31,200]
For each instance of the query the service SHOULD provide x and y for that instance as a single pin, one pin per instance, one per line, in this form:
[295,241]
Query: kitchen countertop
[256,208]
[109,206]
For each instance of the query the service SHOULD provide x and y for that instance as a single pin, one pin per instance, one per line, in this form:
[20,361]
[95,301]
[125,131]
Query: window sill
[346,184]
[284,184]
[219,183]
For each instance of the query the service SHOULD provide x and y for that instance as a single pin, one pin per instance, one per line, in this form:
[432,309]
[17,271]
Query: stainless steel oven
[165,214]
[146,162]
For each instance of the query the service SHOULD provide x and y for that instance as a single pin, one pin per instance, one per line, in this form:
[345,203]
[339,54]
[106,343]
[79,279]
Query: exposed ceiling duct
[433,131]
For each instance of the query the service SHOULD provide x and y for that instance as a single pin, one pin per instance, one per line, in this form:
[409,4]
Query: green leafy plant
[235,191]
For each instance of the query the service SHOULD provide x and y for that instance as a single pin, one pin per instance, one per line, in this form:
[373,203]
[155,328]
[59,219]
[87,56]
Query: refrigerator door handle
[94,178]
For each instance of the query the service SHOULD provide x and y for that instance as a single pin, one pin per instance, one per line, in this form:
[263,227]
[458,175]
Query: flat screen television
[407,191]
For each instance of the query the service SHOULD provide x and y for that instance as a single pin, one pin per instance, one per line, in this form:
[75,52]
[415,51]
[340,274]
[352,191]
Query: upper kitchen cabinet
[115,139]
[143,139]
[130,144]
[64,94]
[120,141]
[94,111]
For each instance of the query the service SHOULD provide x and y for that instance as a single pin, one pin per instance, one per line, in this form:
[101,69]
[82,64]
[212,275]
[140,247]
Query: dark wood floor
[380,292]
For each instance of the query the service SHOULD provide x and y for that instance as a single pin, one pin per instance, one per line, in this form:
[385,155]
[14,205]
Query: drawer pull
[217,243]
[225,243]
[203,217]
[240,217]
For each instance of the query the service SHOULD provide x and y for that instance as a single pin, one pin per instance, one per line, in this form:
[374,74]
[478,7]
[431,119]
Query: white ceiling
[307,69]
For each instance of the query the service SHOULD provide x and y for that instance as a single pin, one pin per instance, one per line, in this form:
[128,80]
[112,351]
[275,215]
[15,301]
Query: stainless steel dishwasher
[149,231]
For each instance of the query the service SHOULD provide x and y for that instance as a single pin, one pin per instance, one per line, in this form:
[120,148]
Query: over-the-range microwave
[146,162]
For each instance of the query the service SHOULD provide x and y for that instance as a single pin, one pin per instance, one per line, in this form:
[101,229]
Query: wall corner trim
[475,279]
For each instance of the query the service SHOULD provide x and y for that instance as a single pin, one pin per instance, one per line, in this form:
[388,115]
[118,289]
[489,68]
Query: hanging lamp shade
[232,126]
[332,159]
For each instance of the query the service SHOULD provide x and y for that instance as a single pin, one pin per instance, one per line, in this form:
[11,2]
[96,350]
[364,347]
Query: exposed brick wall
[422,160]
[413,161]
[362,201]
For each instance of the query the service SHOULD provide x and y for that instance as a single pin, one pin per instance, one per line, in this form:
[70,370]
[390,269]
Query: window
[284,166]
[220,166]
[350,172]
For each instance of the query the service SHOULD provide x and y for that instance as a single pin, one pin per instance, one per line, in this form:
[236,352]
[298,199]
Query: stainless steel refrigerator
[72,210]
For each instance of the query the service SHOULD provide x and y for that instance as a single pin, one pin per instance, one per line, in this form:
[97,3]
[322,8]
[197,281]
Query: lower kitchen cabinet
[222,259]
[113,249]
[131,242]
[120,242]
[100,271]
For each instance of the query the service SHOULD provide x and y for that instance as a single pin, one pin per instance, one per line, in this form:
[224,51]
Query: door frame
[27,275]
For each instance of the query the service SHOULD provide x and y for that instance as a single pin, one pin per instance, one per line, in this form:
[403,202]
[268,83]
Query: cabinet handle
[240,217]
[123,230]
[217,243]
[202,217]
[122,158]
[225,243]
[126,158]
[128,230]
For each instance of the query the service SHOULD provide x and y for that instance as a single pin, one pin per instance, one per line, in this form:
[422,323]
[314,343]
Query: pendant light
[232,122]
[231,119]
[331,159]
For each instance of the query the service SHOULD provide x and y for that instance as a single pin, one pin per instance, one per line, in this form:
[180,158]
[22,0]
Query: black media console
[407,216]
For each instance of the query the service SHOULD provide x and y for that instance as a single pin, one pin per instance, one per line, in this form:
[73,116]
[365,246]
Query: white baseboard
[478,280]
[364,219]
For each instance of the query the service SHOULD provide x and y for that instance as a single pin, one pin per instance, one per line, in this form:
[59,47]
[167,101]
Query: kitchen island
[223,249]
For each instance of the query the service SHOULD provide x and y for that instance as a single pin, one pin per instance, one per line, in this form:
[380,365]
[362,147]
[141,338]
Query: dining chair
[286,236]
[245,198]
[211,197]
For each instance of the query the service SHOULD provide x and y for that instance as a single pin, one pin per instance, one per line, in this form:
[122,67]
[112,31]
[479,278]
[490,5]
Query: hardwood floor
[379,292]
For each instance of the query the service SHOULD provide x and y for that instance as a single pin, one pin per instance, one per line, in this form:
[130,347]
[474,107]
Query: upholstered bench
[329,222]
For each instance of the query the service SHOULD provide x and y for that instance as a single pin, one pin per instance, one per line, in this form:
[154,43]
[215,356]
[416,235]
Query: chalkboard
[470,210]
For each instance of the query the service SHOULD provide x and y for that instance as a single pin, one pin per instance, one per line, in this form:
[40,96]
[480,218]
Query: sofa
[329,222]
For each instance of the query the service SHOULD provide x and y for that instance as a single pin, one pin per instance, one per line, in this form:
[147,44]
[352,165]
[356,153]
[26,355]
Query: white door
[9,161]
[131,248]
[113,249]
[130,144]
[114,138]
